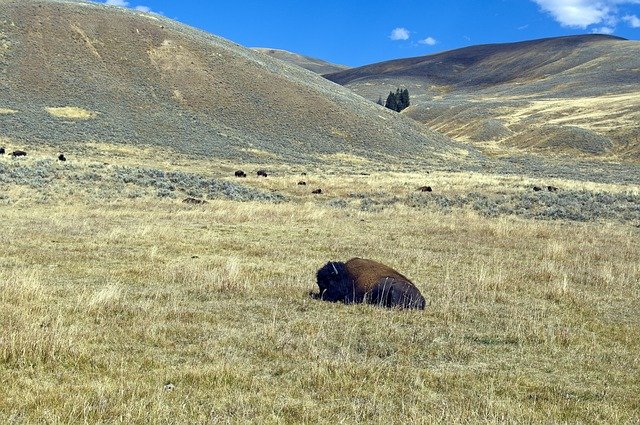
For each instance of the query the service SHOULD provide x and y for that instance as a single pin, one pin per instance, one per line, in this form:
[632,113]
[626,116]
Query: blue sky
[360,32]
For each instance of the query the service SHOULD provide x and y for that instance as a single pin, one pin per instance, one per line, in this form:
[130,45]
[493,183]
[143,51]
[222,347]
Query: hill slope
[501,92]
[117,75]
[312,64]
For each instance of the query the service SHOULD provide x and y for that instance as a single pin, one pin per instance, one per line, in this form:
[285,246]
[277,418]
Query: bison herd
[18,153]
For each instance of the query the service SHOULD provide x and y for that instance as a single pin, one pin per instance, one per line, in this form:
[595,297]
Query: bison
[61,157]
[240,173]
[537,188]
[193,201]
[2,151]
[425,189]
[262,173]
[552,188]
[360,280]
[18,153]
[302,183]
[317,191]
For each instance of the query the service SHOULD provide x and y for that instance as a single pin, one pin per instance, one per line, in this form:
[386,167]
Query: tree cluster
[398,100]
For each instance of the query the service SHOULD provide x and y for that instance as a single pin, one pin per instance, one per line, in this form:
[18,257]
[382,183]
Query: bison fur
[367,281]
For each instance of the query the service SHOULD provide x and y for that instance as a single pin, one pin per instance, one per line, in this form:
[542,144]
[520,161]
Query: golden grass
[7,111]
[148,310]
[103,306]
[72,112]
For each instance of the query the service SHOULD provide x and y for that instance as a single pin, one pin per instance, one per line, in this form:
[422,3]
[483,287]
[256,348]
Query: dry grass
[72,112]
[152,311]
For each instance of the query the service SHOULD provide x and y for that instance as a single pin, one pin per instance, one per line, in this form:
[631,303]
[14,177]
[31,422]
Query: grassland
[120,304]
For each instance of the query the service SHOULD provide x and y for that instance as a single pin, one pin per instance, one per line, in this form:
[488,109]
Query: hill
[312,64]
[499,93]
[115,75]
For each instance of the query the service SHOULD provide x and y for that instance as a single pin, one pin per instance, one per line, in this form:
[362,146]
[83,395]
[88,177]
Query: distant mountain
[577,94]
[312,64]
[72,72]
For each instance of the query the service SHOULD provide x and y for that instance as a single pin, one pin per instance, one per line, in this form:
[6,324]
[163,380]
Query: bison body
[359,280]
[240,173]
[2,151]
[262,173]
[18,153]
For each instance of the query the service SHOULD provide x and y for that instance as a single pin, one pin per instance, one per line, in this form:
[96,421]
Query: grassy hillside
[145,79]
[119,303]
[312,64]
[504,93]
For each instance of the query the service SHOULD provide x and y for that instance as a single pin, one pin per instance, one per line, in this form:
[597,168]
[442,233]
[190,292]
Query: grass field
[118,308]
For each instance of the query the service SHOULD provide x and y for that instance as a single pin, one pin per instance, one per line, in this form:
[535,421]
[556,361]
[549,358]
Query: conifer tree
[392,102]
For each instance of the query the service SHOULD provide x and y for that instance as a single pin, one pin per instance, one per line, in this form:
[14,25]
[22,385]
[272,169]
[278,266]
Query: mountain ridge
[134,77]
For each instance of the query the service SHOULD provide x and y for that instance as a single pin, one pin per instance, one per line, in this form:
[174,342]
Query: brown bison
[61,157]
[317,191]
[18,153]
[537,188]
[262,173]
[359,280]
[2,151]
[240,173]
[425,189]
[552,188]
[193,201]
[302,183]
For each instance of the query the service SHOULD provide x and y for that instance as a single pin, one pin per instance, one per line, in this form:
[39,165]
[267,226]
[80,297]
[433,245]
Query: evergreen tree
[392,102]
[404,97]
[398,100]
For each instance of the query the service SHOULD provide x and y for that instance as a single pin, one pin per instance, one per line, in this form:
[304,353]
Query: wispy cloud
[603,30]
[399,34]
[632,20]
[124,3]
[584,13]
[429,41]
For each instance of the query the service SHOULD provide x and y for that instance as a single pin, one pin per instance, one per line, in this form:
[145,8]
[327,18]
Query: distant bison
[193,201]
[18,153]
[537,188]
[262,173]
[61,157]
[317,191]
[240,173]
[359,280]
[2,151]
[301,183]
[552,188]
[425,189]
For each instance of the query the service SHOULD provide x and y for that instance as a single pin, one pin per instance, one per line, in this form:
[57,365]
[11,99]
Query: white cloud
[603,30]
[583,13]
[632,20]
[429,41]
[124,3]
[399,34]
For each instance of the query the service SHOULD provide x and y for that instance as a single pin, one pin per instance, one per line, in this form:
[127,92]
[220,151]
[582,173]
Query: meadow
[121,304]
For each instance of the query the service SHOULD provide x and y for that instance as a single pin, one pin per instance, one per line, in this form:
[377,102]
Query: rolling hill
[312,64]
[74,71]
[576,94]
